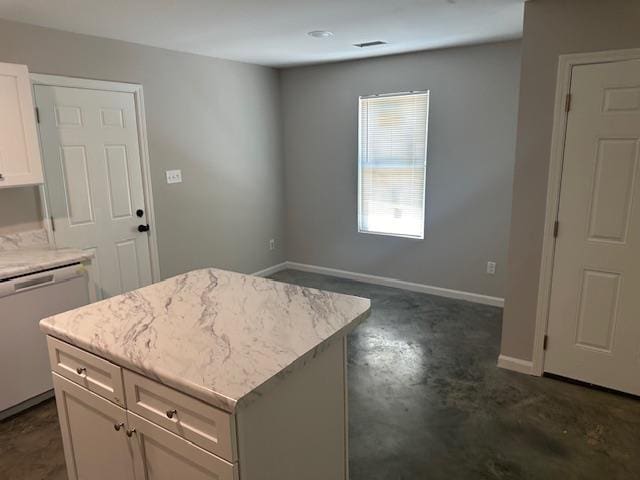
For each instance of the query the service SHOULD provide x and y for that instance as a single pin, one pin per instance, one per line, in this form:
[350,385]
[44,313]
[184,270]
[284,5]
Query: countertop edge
[79,257]
[199,392]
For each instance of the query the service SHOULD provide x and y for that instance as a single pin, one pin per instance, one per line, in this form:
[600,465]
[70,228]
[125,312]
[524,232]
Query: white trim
[563,87]
[271,270]
[516,364]
[426,93]
[137,91]
[86,83]
[394,283]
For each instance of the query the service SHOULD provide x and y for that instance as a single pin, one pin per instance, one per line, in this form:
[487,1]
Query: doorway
[97,193]
[593,320]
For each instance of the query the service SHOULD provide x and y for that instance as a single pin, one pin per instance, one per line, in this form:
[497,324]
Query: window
[392,163]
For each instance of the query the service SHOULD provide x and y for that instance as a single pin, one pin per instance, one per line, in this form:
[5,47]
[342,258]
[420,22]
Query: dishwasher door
[25,374]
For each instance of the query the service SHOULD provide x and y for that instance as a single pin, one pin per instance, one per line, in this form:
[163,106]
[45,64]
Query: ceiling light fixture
[320,34]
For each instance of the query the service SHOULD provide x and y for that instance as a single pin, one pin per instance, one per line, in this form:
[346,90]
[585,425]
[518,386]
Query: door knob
[143,228]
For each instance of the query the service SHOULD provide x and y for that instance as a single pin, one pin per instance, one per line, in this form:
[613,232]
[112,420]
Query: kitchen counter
[18,262]
[219,336]
[27,252]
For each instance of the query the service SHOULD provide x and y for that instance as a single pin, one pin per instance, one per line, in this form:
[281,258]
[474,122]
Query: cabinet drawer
[92,372]
[202,424]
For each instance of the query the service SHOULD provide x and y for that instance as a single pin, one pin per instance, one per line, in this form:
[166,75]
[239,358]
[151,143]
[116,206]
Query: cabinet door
[20,162]
[161,455]
[94,434]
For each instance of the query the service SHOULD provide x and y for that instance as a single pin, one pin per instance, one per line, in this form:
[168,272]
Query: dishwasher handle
[33,282]
[41,279]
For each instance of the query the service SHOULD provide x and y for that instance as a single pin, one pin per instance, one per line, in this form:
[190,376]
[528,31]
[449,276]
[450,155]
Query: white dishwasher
[25,374]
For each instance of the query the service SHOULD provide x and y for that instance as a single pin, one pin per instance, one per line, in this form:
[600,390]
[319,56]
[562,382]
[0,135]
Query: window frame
[426,150]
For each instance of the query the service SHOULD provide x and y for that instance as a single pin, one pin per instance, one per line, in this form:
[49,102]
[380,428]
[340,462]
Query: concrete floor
[427,402]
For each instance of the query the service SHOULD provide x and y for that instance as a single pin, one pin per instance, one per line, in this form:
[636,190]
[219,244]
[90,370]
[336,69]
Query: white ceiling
[274,32]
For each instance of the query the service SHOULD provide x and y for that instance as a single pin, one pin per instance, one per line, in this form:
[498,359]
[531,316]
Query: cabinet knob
[131,432]
[1,177]
[118,426]
[81,370]
[171,413]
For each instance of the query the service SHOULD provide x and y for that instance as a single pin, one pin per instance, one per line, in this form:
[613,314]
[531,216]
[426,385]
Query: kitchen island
[206,375]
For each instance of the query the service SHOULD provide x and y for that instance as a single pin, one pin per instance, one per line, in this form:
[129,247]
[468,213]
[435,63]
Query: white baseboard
[394,283]
[271,270]
[516,364]
[384,281]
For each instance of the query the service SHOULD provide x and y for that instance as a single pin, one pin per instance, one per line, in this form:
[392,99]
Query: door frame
[554,184]
[136,90]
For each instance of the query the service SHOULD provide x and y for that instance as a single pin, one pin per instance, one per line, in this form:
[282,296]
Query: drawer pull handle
[131,432]
[118,426]
[171,413]
[81,370]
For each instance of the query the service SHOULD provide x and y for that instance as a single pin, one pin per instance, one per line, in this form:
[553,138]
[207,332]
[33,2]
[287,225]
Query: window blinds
[392,164]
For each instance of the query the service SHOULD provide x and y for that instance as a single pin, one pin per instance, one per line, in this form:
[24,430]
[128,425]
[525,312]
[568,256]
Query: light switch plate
[174,176]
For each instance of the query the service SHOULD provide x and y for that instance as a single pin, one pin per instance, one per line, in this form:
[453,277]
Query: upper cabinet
[20,162]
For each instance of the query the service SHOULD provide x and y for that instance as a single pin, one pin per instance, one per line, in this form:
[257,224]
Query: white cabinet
[103,441]
[161,455]
[94,433]
[93,373]
[195,421]
[20,162]
[295,429]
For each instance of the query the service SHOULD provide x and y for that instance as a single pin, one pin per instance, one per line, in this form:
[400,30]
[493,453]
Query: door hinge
[556,227]
[37,115]
[567,103]
[53,224]
[545,342]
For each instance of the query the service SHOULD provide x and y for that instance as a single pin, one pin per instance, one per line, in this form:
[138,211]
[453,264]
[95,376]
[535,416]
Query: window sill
[397,235]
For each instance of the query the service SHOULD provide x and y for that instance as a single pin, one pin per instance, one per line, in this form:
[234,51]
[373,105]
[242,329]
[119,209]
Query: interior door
[94,181]
[96,445]
[594,317]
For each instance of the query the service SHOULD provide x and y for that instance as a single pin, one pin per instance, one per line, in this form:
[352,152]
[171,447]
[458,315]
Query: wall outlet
[272,244]
[491,268]
[174,176]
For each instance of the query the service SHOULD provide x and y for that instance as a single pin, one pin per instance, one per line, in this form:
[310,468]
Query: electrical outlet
[272,244]
[491,268]
[174,176]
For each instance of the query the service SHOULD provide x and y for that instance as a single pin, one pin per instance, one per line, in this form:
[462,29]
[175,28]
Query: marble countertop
[216,335]
[27,252]
[14,263]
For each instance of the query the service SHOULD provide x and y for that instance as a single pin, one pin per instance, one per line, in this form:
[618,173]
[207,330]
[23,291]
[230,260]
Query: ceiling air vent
[369,44]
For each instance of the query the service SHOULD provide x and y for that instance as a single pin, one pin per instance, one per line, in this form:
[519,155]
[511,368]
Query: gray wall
[19,209]
[551,28]
[474,92]
[218,121]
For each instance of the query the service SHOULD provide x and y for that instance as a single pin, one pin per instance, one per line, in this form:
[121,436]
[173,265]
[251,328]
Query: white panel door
[96,445]
[19,152]
[94,181]
[594,317]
